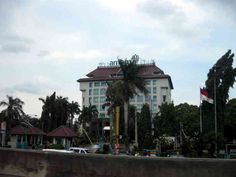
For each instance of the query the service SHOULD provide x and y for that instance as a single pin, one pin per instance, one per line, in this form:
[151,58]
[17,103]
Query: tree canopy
[221,77]
[13,111]
[145,139]
[12,114]
[87,114]
[14,108]
[165,121]
[188,116]
[230,120]
[56,111]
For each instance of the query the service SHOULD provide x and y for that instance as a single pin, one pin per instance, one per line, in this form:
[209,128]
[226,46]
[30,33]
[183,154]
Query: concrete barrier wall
[17,163]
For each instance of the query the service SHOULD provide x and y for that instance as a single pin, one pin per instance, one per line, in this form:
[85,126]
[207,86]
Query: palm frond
[3,103]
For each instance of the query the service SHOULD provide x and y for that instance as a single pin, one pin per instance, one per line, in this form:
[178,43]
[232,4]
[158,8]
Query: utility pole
[181,136]
[200,106]
[136,128]
[215,110]
[117,124]
[3,132]
[117,133]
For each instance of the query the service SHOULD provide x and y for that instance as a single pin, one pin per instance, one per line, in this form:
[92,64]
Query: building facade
[158,84]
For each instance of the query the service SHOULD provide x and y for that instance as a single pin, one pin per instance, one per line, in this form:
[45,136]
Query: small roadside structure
[62,135]
[24,137]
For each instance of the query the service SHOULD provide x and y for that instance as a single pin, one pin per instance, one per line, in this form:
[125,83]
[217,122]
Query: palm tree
[113,96]
[14,108]
[57,111]
[48,112]
[113,100]
[129,84]
[73,109]
[13,112]
[87,114]
[61,111]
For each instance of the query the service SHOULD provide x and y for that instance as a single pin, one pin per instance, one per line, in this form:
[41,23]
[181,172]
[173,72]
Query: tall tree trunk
[126,108]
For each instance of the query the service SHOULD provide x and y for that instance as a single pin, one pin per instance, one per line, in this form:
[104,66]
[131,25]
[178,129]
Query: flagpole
[200,112]
[215,110]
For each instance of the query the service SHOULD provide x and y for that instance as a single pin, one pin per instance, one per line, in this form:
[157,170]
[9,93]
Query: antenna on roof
[135,57]
[143,62]
[101,64]
[118,58]
[153,61]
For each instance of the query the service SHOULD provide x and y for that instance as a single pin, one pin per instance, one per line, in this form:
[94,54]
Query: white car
[57,150]
[79,150]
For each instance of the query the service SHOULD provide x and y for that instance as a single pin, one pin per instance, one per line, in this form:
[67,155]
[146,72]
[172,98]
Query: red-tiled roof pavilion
[21,130]
[62,131]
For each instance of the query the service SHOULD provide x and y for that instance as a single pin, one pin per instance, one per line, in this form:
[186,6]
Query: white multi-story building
[158,84]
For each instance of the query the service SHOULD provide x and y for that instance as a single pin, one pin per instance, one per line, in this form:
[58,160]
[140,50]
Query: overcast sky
[46,45]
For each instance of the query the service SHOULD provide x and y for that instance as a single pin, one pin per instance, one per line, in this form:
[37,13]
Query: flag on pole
[205,97]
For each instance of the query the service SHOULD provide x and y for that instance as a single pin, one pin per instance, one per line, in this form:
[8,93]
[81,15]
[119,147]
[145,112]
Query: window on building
[132,99]
[96,84]
[164,98]
[154,82]
[102,108]
[147,82]
[140,98]
[154,98]
[103,91]
[103,84]
[149,89]
[154,108]
[138,91]
[90,100]
[83,99]
[90,91]
[139,107]
[147,98]
[96,92]
[102,99]
[102,115]
[154,90]
[164,90]
[95,99]
[90,84]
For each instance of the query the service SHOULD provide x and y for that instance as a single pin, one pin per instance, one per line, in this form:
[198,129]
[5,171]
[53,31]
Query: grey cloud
[9,41]
[12,43]
[14,48]
[174,21]
[15,38]
[7,10]
[43,53]
[27,87]
[231,4]
[171,18]
[160,10]
[222,8]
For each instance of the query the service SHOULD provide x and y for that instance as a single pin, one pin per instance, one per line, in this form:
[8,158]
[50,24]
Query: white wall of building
[159,91]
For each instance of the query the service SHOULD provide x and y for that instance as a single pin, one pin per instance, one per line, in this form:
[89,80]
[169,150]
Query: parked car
[79,150]
[56,150]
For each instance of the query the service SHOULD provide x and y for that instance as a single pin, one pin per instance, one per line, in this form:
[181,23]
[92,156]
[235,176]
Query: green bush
[56,146]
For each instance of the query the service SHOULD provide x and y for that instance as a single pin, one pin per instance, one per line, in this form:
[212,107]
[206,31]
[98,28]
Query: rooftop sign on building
[115,63]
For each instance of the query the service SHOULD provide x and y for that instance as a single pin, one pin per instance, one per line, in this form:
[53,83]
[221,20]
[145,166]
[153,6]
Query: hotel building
[158,84]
